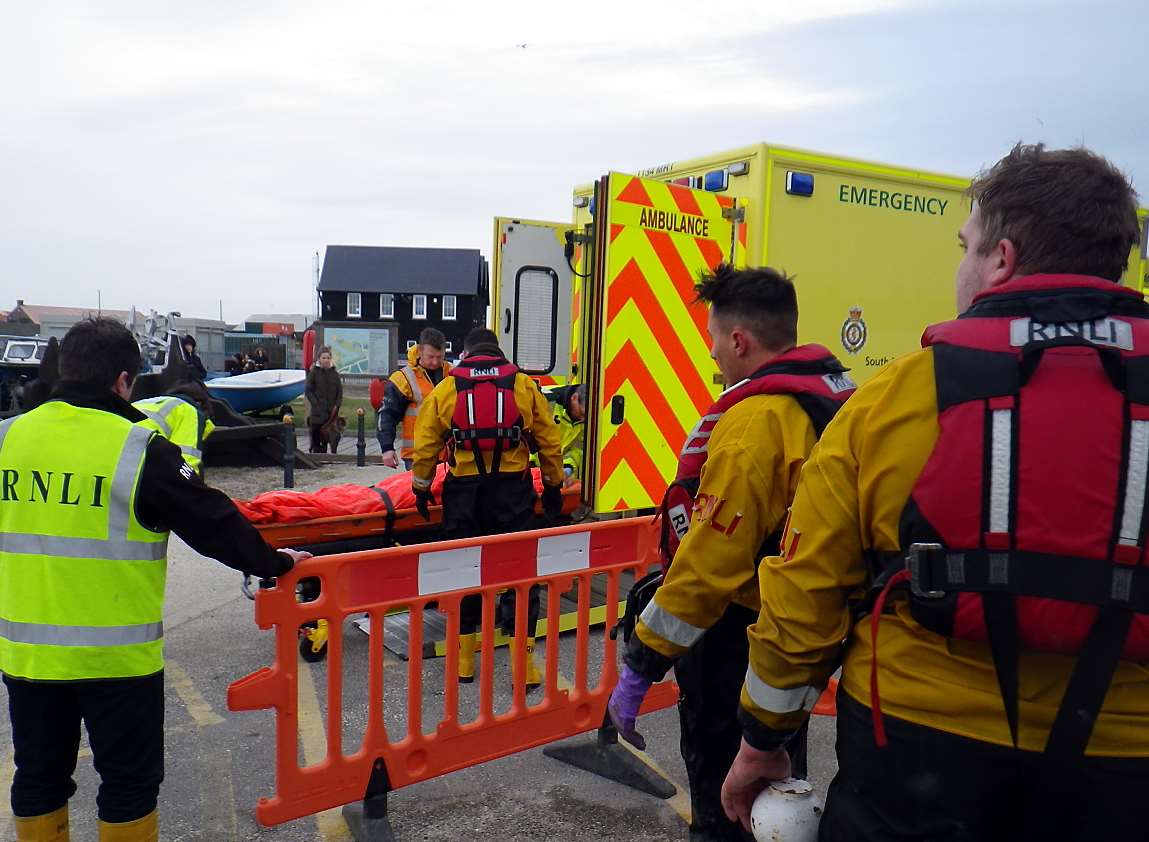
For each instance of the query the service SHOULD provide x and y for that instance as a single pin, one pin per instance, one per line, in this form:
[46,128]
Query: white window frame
[411,343]
[454,308]
[386,312]
[447,346]
[358,299]
[415,307]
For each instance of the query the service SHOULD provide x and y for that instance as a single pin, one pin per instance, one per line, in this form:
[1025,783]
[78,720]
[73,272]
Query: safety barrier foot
[606,758]
[368,820]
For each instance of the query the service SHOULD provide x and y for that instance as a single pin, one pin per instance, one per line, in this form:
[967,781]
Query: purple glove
[624,703]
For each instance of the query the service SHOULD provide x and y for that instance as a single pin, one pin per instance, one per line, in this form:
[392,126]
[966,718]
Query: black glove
[423,501]
[552,501]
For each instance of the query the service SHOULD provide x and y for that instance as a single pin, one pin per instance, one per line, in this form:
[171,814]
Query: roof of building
[403,270]
[38,313]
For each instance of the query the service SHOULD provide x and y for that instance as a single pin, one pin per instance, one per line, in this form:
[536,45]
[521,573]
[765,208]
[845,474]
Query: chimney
[19,302]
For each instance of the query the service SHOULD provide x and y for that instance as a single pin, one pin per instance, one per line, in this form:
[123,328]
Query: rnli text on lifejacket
[908,202]
[676,223]
[47,484]
[1112,332]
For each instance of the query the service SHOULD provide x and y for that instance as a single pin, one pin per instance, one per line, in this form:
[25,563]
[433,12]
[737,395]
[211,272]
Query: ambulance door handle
[617,409]
[507,316]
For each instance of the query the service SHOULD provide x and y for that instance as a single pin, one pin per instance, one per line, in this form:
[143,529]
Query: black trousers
[710,677]
[495,505]
[930,785]
[125,723]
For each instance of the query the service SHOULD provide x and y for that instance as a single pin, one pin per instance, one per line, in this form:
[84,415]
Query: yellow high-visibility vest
[81,579]
[180,422]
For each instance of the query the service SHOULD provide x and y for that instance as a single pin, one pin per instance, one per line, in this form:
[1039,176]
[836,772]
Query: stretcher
[388,526]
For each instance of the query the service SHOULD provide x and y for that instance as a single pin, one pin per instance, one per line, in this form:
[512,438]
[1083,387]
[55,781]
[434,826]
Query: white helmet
[786,811]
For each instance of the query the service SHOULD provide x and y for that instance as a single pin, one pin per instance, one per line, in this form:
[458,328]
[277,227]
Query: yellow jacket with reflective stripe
[850,499]
[433,429]
[81,580]
[179,421]
[414,384]
[755,454]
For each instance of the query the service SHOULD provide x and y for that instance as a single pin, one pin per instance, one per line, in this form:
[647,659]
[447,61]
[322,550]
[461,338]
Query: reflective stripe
[470,408]
[1135,483]
[124,482]
[499,409]
[160,421]
[778,700]
[668,627]
[686,451]
[1001,463]
[417,395]
[188,450]
[5,426]
[55,545]
[46,634]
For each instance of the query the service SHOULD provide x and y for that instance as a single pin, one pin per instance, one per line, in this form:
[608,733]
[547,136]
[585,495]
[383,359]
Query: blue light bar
[592,205]
[799,183]
[715,181]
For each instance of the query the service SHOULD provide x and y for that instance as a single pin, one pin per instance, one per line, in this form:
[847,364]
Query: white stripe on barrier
[563,553]
[448,570]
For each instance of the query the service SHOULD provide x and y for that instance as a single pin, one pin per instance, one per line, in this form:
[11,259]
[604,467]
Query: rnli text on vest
[908,202]
[676,223]
[1112,332]
[63,489]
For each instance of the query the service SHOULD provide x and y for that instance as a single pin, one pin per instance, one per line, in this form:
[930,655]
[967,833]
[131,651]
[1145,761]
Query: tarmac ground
[219,763]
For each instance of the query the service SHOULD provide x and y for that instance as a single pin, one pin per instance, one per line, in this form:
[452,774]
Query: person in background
[324,393]
[198,371]
[404,394]
[83,561]
[490,411]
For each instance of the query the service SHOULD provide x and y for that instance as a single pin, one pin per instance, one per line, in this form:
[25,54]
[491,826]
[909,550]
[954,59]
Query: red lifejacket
[809,373]
[486,418]
[1026,527]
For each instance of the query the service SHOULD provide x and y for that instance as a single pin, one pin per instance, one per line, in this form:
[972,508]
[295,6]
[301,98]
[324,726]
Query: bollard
[288,451]
[360,443]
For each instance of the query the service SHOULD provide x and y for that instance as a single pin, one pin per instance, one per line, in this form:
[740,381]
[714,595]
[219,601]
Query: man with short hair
[737,474]
[404,394]
[86,502]
[988,495]
[489,412]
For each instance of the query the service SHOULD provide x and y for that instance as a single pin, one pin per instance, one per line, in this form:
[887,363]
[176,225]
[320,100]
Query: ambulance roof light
[581,201]
[799,183]
[739,168]
[715,181]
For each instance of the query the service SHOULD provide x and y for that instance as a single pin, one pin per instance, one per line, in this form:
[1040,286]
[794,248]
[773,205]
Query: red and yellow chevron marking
[656,351]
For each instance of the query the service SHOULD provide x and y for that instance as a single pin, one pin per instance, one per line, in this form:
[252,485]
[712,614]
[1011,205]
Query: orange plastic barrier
[414,578]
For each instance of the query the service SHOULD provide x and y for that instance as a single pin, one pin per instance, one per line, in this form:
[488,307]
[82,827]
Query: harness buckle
[915,563]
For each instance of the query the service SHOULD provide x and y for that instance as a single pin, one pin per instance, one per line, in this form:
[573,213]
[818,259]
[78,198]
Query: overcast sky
[171,159]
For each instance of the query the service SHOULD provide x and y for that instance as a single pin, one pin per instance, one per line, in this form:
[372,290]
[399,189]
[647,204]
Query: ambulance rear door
[533,297]
[648,364]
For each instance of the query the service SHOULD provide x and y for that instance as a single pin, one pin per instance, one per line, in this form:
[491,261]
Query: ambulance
[607,298]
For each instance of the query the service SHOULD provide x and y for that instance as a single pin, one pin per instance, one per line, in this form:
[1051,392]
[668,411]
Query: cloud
[171,159]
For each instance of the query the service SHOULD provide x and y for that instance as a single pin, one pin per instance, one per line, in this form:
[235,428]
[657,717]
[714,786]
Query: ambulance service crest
[854,331]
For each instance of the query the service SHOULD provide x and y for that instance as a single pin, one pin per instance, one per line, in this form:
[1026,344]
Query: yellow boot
[50,827]
[146,829]
[466,658]
[534,679]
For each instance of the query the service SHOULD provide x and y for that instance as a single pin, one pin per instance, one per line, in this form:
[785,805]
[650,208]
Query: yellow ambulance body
[872,249]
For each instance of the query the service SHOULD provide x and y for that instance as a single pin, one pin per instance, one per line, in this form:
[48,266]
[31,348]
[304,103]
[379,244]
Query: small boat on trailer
[257,391]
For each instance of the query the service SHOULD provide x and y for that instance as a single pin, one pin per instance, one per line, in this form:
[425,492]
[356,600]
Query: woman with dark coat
[324,397]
